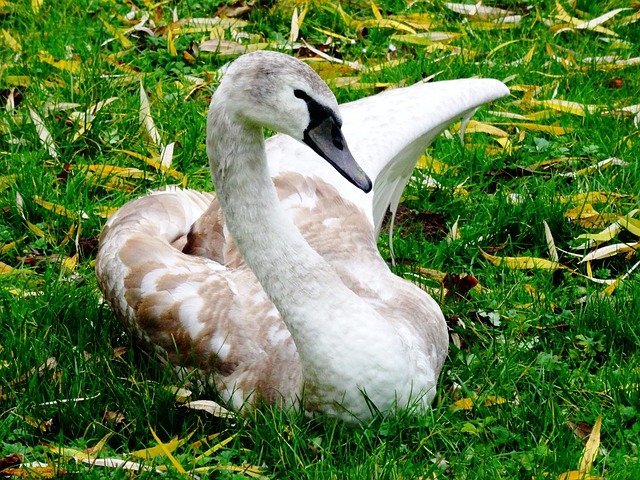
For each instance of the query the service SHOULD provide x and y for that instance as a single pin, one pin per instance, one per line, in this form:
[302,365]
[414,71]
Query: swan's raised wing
[387,133]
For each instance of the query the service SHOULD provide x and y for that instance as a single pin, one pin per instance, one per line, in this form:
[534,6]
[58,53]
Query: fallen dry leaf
[468,403]
[522,263]
[211,407]
[591,448]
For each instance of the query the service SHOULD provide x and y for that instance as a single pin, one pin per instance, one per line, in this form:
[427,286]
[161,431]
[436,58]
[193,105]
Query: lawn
[526,236]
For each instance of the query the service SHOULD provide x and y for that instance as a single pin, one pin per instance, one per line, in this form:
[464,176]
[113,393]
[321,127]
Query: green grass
[564,353]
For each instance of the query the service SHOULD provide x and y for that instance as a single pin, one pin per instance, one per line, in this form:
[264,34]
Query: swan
[274,285]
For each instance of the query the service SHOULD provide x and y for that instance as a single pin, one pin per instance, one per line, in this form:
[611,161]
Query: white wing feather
[387,133]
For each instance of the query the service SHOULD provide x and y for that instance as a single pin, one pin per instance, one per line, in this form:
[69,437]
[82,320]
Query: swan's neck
[344,345]
[284,263]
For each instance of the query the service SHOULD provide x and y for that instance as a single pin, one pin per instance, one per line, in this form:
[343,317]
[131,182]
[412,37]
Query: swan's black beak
[326,140]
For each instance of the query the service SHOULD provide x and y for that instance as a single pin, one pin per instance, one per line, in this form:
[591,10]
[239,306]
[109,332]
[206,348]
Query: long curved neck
[294,276]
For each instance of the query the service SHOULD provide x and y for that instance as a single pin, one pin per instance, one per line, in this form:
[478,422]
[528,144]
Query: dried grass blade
[45,136]
[601,19]
[551,246]
[146,119]
[609,251]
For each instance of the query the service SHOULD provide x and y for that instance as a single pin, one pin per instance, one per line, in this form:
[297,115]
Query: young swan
[346,336]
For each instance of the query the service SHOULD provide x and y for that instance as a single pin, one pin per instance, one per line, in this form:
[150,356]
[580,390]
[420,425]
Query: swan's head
[279,92]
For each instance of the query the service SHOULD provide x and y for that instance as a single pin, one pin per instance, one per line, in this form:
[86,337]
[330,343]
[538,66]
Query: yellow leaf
[37,231]
[611,287]
[230,48]
[582,211]
[68,452]
[600,237]
[346,18]
[536,127]
[18,80]
[153,163]
[69,234]
[601,165]
[6,181]
[105,212]
[166,451]
[487,26]
[123,67]
[69,263]
[55,208]
[34,472]
[505,143]
[4,268]
[7,247]
[587,216]
[503,45]
[11,41]
[333,35]
[170,43]
[566,106]
[423,21]
[450,48]
[98,446]
[113,170]
[468,403]
[522,263]
[630,19]
[72,66]
[149,453]
[432,165]
[464,404]
[577,475]
[591,448]
[181,394]
[386,23]
[631,224]
[376,11]
[590,197]
[124,41]
[215,448]
[474,126]
[529,56]
[36,5]
[541,115]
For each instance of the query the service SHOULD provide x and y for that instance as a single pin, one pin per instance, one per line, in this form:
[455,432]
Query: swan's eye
[336,137]
[317,113]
